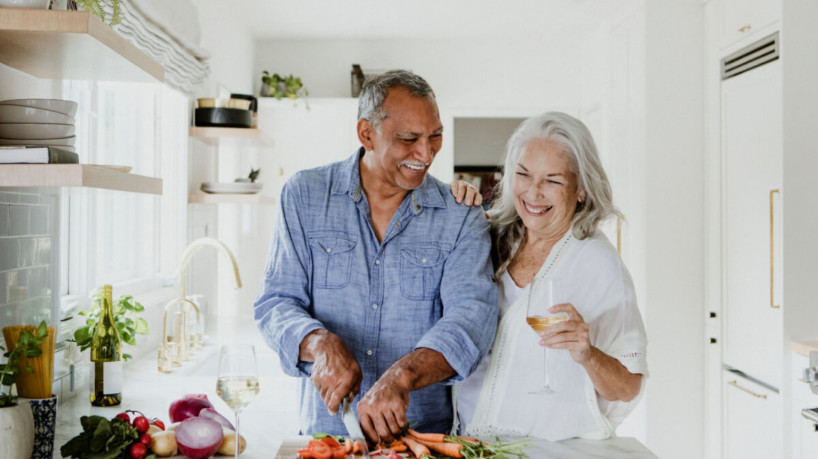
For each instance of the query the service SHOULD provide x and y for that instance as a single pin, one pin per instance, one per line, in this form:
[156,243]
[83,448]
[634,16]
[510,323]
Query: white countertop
[271,418]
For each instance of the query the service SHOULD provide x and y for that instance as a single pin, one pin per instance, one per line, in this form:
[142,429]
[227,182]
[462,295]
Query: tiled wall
[28,257]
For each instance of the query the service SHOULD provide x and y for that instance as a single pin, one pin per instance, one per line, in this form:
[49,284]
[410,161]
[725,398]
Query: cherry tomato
[141,423]
[158,423]
[138,450]
[145,439]
[125,417]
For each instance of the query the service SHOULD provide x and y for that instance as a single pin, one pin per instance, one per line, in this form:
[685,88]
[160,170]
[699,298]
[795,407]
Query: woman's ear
[581,197]
[366,134]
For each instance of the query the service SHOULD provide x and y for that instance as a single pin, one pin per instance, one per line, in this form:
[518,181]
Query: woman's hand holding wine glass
[237,382]
[540,317]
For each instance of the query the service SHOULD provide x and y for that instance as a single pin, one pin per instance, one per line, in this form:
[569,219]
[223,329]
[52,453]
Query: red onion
[188,407]
[214,415]
[199,438]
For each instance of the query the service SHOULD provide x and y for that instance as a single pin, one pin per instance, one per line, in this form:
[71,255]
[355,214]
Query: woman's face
[545,189]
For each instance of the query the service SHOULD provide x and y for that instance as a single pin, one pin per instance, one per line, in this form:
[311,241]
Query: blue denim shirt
[427,284]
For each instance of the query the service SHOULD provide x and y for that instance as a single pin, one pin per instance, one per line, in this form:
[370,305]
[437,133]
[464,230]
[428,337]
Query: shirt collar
[426,195]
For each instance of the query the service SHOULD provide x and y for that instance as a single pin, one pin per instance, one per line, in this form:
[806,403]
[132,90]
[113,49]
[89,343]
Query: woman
[544,225]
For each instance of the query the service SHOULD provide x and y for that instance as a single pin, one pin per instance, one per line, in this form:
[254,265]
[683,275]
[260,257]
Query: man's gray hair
[373,93]
[576,140]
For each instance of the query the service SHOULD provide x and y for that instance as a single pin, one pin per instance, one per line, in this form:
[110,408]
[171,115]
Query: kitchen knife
[353,426]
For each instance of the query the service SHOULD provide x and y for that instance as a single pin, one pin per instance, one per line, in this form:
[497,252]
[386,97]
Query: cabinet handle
[772,252]
[734,383]
[745,28]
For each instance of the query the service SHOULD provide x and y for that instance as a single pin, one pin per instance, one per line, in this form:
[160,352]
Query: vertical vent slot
[755,55]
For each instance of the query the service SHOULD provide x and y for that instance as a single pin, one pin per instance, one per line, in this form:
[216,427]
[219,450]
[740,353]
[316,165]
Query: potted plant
[17,427]
[97,8]
[126,318]
[277,86]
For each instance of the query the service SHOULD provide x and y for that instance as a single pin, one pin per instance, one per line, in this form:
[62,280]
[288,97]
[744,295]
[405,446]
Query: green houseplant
[126,318]
[27,346]
[277,86]
[97,8]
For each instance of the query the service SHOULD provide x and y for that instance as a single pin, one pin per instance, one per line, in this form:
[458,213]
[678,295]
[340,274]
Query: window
[113,237]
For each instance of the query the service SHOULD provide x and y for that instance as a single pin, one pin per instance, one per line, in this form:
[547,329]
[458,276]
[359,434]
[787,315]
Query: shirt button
[329,250]
[369,352]
[374,306]
[377,261]
[397,224]
[423,260]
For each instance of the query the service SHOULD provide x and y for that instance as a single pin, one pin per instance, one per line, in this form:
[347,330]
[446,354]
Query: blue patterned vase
[45,421]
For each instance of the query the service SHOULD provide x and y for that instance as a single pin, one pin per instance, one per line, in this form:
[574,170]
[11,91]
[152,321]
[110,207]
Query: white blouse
[498,399]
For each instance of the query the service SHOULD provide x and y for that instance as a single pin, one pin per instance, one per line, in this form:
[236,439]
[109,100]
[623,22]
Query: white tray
[231,187]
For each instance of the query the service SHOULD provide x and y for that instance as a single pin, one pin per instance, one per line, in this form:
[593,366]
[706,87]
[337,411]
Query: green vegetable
[95,7]
[100,439]
[129,324]
[496,450]
[28,346]
[320,435]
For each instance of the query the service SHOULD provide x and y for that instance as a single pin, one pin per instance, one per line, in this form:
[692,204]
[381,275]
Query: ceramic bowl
[60,142]
[241,104]
[66,107]
[32,131]
[211,102]
[31,115]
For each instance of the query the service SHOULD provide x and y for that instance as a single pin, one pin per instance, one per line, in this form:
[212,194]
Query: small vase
[44,411]
[16,431]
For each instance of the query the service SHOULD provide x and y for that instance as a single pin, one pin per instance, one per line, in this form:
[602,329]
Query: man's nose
[424,151]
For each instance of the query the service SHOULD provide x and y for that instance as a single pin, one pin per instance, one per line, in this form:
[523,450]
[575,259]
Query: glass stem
[545,367]
[238,437]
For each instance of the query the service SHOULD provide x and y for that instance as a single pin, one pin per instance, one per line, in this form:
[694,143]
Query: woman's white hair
[507,228]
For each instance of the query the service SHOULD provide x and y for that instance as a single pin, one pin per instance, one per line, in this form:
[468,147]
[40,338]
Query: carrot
[435,437]
[417,449]
[397,446]
[447,448]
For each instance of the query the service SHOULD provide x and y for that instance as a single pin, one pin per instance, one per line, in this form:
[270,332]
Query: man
[377,282]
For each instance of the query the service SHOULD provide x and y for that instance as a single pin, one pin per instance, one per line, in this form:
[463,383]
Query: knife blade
[353,426]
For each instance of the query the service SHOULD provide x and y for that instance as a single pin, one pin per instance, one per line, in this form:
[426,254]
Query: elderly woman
[544,222]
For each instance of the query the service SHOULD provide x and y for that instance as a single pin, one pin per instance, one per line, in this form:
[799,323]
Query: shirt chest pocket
[421,269]
[332,258]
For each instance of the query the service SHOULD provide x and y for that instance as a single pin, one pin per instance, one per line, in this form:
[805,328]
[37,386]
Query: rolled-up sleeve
[281,310]
[469,297]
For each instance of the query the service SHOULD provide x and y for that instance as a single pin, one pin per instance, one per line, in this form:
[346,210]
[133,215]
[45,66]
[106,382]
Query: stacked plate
[38,122]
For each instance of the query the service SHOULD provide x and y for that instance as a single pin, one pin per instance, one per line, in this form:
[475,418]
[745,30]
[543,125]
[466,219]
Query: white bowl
[31,4]
[35,131]
[63,141]
[66,107]
[20,114]
[211,102]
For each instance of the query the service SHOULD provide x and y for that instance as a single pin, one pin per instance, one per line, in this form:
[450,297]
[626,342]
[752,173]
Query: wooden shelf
[72,45]
[212,135]
[81,175]
[204,198]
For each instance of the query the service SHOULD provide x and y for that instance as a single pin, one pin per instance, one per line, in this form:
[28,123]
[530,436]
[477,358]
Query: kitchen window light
[129,240]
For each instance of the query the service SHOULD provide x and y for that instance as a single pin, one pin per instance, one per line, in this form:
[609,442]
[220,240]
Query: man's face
[410,136]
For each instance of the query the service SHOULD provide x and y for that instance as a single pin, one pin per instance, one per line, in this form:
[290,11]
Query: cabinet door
[752,419]
[753,170]
[808,431]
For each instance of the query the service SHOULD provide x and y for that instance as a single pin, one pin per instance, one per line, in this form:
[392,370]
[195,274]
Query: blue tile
[8,254]
[18,220]
[4,219]
[38,220]
[28,251]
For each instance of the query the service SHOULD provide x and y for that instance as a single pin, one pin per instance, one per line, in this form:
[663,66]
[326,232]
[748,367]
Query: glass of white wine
[539,318]
[237,382]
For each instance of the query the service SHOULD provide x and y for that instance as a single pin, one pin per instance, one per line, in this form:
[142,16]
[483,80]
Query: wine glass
[237,382]
[539,318]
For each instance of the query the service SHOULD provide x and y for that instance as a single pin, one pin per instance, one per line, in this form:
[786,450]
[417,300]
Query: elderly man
[378,285]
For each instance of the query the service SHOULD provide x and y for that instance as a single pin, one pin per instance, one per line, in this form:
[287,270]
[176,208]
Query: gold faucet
[170,354]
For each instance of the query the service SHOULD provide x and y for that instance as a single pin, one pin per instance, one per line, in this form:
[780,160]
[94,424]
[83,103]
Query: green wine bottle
[106,356]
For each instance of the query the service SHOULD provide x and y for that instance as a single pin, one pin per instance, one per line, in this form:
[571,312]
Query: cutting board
[289,448]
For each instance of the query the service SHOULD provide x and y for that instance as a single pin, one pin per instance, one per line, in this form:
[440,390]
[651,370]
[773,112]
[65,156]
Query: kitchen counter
[804,347]
[269,421]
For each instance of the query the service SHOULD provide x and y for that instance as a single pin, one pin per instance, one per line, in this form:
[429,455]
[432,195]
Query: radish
[199,438]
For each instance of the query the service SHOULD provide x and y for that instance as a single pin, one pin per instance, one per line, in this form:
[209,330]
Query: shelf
[82,175]
[203,198]
[212,135]
[71,45]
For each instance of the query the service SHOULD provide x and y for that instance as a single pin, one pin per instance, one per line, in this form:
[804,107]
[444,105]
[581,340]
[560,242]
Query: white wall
[674,225]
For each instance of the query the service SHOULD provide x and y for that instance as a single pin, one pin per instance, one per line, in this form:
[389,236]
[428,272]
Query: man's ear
[366,134]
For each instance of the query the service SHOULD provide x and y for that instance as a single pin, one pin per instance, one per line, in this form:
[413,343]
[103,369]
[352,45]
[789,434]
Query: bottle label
[113,377]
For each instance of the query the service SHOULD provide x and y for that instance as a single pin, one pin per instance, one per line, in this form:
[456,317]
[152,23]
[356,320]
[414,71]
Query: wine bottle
[106,356]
